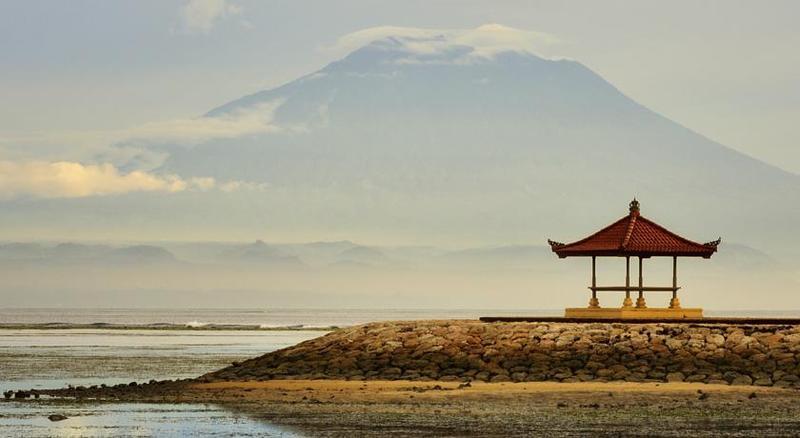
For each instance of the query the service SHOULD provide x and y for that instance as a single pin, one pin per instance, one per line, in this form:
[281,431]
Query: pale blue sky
[727,69]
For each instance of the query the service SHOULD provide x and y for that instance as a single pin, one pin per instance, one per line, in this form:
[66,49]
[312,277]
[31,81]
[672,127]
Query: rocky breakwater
[767,355]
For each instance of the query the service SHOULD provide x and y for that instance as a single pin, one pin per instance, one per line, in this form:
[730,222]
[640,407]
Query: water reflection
[29,419]
[54,358]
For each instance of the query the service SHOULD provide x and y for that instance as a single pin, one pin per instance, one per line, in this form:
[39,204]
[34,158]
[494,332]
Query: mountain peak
[460,46]
[427,59]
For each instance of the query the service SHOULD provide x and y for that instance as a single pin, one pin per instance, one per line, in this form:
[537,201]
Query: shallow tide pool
[29,419]
[57,358]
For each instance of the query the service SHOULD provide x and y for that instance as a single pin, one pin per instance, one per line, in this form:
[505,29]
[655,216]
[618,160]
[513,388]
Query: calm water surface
[130,420]
[56,358]
[264,318]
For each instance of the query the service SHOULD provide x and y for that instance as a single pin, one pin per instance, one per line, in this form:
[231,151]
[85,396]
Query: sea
[55,348]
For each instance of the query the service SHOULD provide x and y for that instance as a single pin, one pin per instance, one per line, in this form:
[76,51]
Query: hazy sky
[727,69]
[78,76]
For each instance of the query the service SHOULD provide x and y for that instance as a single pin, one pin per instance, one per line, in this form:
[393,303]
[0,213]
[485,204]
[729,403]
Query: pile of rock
[21,394]
[153,389]
[767,355]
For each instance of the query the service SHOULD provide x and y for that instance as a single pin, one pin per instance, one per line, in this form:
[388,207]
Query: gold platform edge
[633,313]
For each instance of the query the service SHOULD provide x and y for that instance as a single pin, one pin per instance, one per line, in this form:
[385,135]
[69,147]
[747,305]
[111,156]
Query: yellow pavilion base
[633,313]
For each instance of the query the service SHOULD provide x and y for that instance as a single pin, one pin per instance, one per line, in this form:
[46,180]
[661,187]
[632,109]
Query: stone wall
[470,350]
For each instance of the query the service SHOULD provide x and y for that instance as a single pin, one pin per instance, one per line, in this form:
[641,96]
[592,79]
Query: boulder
[675,377]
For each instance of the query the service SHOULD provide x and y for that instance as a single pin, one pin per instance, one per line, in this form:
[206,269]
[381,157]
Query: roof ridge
[629,231]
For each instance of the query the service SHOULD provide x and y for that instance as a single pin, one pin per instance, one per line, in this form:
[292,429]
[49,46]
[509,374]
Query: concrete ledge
[633,313]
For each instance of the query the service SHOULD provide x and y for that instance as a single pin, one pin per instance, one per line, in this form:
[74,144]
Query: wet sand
[400,392]
[375,408]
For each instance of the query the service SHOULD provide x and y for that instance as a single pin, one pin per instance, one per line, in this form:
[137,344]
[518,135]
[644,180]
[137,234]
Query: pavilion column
[640,304]
[674,303]
[594,302]
[628,302]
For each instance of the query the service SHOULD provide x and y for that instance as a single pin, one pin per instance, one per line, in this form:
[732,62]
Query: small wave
[283,327]
[319,327]
[191,325]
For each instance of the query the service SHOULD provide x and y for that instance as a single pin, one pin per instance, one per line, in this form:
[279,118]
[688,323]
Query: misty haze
[453,162]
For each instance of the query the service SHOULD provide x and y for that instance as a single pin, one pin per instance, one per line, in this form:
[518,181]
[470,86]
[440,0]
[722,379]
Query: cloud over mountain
[136,145]
[75,180]
[65,179]
[448,45]
[200,16]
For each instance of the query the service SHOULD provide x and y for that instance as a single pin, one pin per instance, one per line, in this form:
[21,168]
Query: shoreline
[380,391]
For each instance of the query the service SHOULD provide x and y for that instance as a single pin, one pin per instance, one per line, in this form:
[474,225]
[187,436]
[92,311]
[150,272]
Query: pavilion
[634,236]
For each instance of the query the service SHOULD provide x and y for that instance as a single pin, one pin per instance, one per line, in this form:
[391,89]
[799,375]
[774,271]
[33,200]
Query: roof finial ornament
[634,206]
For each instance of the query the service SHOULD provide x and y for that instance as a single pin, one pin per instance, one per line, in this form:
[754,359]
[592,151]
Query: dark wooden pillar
[628,302]
[594,302]
[627,274]
[640,303]
[674,272]
[674,303]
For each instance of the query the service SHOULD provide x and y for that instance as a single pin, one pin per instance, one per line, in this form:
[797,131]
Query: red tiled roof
[634,235]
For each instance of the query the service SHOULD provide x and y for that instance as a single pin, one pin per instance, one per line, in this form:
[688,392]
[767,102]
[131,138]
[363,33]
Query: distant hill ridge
[323,253]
